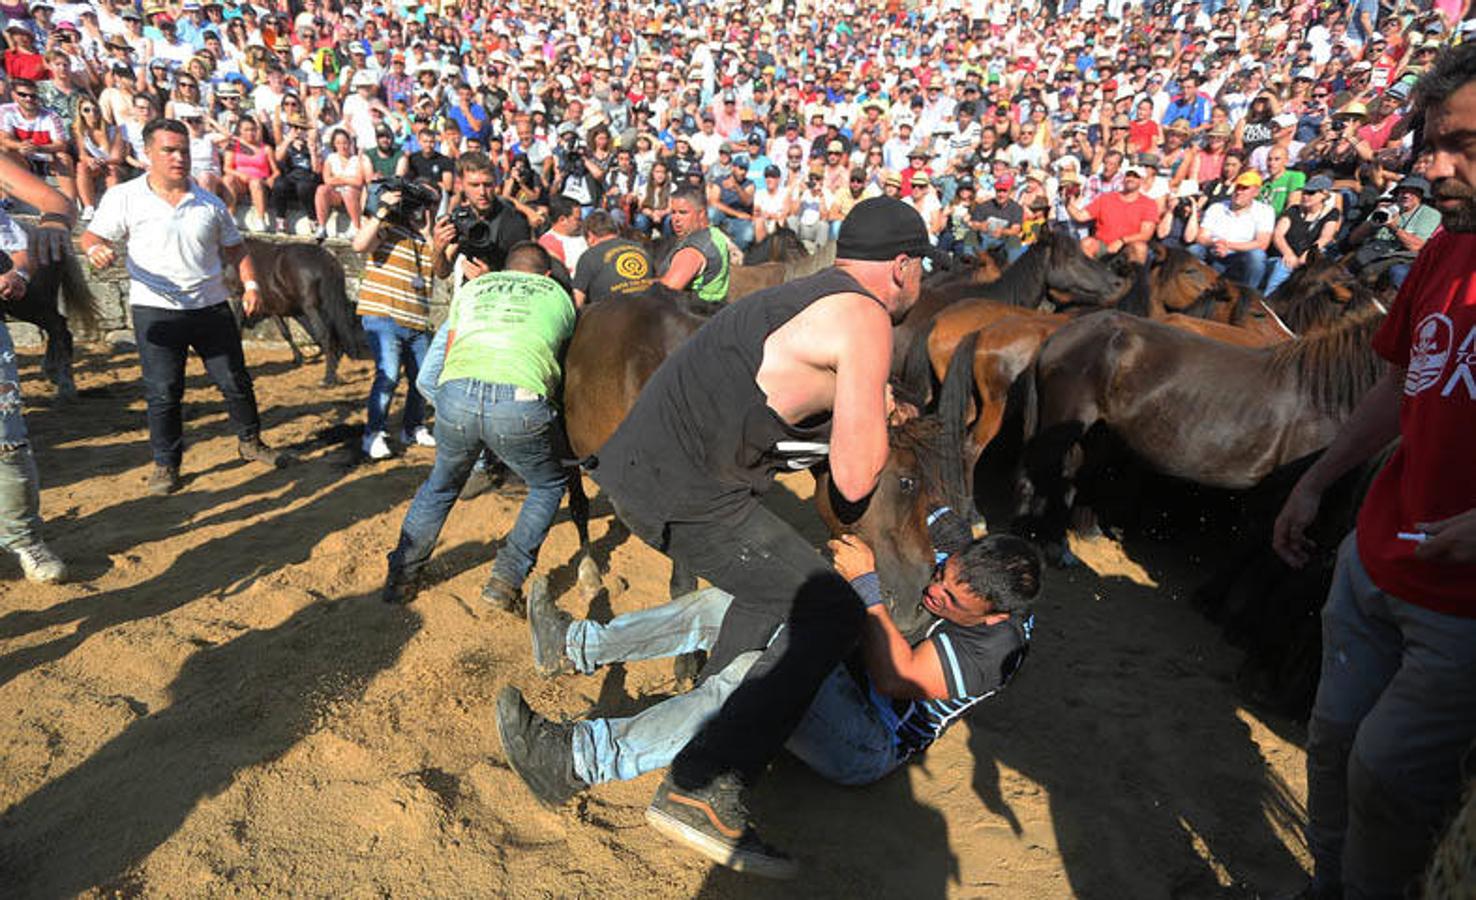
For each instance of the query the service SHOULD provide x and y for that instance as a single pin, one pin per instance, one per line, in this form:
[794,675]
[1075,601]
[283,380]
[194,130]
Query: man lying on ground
[861,725]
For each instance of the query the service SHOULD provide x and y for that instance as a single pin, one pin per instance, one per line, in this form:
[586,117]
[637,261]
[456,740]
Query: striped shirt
[397,278]
[977,664]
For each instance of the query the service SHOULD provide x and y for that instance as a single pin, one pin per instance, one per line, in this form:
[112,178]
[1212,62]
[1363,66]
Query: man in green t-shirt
[1283,186]
[505,332]
[700,262]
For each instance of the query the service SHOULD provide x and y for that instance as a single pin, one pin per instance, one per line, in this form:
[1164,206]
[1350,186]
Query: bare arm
[858,440]
[895,667]
[684,267]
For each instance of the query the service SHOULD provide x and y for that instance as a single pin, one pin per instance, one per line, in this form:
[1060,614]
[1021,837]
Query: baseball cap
[1284,120]
[880,228]
[835,147]
[1318,184]
[1134,170]
[1249,179]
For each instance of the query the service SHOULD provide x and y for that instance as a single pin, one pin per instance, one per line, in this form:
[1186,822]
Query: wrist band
[251,286]
[868,588]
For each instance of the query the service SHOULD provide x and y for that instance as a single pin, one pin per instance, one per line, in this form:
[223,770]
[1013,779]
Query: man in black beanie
[791,375]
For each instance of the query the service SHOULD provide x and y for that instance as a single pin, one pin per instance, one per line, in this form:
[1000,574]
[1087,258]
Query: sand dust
[221,705]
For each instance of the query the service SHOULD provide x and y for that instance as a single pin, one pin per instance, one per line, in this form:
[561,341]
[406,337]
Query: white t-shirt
[1223,223]
[173,251]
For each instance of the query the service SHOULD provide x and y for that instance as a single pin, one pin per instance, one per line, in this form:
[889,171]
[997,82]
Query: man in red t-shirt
[1124,219]
[1396,706]
[21,58]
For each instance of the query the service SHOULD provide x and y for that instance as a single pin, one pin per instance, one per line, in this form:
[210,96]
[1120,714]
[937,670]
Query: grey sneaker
[163,480]
[41,565]
[713,820]
[540,752]
[503,594]
[548,626]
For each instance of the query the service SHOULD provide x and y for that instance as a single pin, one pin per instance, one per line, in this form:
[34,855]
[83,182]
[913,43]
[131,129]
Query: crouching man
[859,727]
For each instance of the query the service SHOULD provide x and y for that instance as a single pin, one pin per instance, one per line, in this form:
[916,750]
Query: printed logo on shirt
[632,264]
[1431,351]
[1462,377]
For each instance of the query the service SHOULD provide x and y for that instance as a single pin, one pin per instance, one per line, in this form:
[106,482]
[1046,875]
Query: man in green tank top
[700,261]
[505,333]
[384,159]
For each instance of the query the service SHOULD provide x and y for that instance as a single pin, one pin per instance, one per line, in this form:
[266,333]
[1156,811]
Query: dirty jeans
[1395,711]
[471,415]
[842,735]
[20,496]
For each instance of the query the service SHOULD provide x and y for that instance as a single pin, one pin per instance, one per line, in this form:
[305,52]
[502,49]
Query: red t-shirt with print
[1431,331]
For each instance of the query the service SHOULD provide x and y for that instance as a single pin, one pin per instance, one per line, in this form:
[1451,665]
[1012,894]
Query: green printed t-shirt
[507,328]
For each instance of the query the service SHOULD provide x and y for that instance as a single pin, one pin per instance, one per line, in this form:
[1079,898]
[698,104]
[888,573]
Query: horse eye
[907,484]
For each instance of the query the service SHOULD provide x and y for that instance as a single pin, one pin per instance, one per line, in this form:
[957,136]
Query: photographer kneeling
[394,304]
[1392,235]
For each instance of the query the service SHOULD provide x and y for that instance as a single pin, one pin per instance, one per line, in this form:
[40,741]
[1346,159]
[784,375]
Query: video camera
[415,196]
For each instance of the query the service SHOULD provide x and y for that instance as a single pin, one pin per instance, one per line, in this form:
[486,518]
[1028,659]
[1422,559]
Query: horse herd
[1066,360]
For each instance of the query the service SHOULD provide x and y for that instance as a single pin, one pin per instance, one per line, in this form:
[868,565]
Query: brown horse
[616,348]
[1179,284]
[306,282]
[941,290]
[39,307]
[1192,408]
[1321,292]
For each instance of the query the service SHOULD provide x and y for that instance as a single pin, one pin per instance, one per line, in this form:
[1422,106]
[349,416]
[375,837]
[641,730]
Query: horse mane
[1336,366]
[1137,300]
[822,258]
[1307,300]
[939,456]
[1023,282]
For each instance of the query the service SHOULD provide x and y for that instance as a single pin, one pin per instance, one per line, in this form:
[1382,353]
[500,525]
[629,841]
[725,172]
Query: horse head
[924,473]
[1073,278]
[1319,292]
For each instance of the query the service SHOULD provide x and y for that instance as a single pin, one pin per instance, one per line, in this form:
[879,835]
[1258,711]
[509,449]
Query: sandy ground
[219,704]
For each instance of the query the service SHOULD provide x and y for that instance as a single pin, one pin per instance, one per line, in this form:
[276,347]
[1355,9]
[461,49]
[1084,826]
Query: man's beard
[1461,218]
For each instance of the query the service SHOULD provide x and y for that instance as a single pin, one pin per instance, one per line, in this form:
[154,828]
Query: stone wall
[110,288]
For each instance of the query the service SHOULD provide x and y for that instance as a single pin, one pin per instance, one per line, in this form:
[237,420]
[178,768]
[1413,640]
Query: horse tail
[916,379]
[77,297]
[344,334]
[953,408]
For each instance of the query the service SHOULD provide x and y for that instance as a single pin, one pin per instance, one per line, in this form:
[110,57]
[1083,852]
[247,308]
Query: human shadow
[1127,719]
[220,566]
[234,705]
[872,841]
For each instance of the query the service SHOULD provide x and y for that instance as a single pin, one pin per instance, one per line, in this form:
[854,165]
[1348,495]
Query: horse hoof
[589,581]
[688,667]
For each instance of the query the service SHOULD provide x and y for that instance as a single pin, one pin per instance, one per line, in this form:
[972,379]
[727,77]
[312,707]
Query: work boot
[503,594]
[713,820]
[479,482]
[549,627]
[540,752]
[163,480]
[41,565]
[400,586]
[253,450]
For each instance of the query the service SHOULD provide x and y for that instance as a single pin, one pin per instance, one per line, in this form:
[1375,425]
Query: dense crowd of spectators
[1248,133]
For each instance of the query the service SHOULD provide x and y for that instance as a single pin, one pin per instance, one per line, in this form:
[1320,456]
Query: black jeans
[299,184]
[776,579]
[164,337]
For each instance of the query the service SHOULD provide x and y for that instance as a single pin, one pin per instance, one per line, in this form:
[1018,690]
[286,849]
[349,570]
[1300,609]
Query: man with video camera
[394,304]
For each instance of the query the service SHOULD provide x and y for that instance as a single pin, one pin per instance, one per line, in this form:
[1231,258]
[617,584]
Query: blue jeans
[1395,713]
[20,495]
[1279,273]
[842,735]
[1398,272]
[740,230]
[12,422]
[394,347]
[1245,266]
[524,434]
[1013,249]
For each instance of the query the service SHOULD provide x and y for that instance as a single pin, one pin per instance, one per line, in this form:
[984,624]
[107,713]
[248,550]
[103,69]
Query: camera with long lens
[1382,214]
[415,196]
[476,238]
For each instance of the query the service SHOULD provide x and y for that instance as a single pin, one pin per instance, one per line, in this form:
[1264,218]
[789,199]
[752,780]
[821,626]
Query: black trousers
[165,336]
[298,184]
[779,583]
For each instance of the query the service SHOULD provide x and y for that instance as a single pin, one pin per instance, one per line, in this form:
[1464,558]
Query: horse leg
[589,579]
[57,363]
[287,336]
[312,322]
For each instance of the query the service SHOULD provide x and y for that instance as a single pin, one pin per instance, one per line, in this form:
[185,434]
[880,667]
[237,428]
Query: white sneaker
[322,233]
[420,437]
[376,446]
[41,565]
[87,213]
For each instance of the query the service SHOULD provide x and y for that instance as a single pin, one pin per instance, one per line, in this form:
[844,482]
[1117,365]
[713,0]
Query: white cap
[186,111]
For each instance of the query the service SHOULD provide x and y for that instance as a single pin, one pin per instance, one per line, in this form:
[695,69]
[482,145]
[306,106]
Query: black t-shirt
[615,268]
[977,663]
[429,168]
[1010,211]
[1301,234]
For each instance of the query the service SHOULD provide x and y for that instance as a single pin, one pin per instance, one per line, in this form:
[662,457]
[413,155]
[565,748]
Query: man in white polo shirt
[179,238]
[1235,233]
